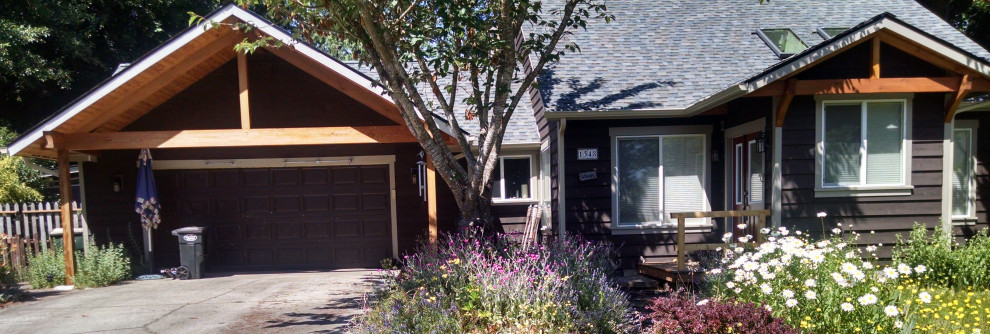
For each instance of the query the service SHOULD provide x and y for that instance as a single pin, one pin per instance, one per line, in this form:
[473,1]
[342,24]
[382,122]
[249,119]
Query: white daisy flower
[891,311]
[810,294]
[890,273]
[867,265]
[703,302]
[920,268]
[741,226]
[858,275]
[871,248]
[783,231]
[727,237]
[768,307]
[904,269]
[787,293]
[730,285]
[874,289]
[822,214]
[737,290]
[766,288]
[750,266]
[925,297]
[846,307]
[848,267]
[791,302]
[765,230]
[810,283]
[867,299]
[898,324]
[836,231]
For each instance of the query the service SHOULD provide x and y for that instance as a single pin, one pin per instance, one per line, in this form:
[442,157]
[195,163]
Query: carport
[290,158]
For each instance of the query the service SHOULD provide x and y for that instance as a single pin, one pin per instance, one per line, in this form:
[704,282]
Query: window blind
[755,174]
[684,175]
[842,143]
[962,171]
[884,143]
[639,180]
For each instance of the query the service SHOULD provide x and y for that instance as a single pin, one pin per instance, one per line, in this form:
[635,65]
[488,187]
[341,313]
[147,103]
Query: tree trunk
[476,212]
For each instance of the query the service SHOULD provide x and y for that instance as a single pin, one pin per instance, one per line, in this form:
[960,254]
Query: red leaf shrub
[682,313]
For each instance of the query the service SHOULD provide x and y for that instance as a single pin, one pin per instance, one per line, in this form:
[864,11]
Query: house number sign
[587,154]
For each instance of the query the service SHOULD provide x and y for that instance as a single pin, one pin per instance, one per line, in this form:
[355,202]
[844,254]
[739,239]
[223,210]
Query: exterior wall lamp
[761,142]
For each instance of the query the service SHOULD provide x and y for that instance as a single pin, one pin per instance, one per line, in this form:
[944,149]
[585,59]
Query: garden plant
[101,266]
[468,283]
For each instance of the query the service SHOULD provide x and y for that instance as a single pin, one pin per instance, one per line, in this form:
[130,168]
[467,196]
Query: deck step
[637,281]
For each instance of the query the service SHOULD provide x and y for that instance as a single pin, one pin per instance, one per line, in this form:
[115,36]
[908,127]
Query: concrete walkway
[299,302]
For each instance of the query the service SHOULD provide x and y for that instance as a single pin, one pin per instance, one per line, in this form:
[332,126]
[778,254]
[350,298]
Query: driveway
[298,302]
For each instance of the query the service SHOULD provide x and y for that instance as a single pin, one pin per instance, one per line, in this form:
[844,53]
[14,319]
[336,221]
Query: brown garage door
[280,218]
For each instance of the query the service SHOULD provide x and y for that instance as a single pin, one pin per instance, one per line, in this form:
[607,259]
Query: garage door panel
[257,204]
[227,232]
[345,202]
[196,179]
[346,228]
[195,206]
[228,257]
[374,174]
[316,203]
[375,201]
[344,175]
[259,231]
[317,229]
[227,207]
[255,177]
[373,255]
[225,178]
[288,230]
[286,203]
[348,255]
[290,256]
[376,228]
[260,257]
[315,176]
[321,255]
[285,177]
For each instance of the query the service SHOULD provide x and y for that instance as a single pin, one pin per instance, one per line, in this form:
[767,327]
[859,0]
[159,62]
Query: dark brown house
[866,110]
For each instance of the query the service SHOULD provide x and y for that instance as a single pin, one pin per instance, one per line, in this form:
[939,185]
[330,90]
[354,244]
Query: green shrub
[473,284]
[47,269]
[9,289]
[953,265]
[103,266]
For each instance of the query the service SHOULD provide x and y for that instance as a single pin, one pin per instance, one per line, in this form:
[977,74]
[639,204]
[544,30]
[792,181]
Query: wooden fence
[14,250]
[28,225]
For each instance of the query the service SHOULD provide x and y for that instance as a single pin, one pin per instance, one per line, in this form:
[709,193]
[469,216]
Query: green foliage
[466,284]
[972,17]
[103,266]
[9,289]
[45,265]
[18,182]
[953,265]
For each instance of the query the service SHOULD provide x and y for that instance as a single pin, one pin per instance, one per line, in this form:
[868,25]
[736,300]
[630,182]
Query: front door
[747,162]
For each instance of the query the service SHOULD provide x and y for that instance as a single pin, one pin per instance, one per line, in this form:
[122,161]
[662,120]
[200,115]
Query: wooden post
[875,59]
[242,81]
[65,196]
[681,265]
[431,198]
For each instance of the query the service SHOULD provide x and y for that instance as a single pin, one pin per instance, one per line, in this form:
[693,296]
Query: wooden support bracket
[785,101]
[965,85]
[875,59]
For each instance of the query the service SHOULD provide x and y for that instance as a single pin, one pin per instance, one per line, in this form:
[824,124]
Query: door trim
[298,162]
[729,154]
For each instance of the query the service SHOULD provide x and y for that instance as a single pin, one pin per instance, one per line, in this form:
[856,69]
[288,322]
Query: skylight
[784,42]
[827,33]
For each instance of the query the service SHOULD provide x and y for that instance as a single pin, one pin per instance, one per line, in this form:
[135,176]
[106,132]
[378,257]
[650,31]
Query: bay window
[513,177]
[863,148]
[658,174]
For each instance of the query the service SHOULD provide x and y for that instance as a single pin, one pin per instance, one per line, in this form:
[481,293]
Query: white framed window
[963,170]
[755,173]
[545,195]
[739,174]
[513,178]
[657,171]
[864,148]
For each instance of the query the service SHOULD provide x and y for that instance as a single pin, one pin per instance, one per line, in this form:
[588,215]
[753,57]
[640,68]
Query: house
[292,159]
[853,108]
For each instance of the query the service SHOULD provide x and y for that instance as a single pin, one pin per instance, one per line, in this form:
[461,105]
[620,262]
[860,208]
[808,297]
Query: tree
[18,183]
[483,45]
[53,51]
[972,17]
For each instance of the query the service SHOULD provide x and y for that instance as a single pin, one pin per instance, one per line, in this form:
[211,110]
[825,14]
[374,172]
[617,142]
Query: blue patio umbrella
[146,204]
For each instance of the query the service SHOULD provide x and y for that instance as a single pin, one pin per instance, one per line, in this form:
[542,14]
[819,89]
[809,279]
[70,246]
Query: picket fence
[29,224]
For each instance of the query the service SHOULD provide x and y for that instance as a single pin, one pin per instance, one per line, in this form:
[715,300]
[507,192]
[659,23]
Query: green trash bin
[56,235]
[191,249]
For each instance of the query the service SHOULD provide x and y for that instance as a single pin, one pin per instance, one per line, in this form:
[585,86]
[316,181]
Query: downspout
[561,194]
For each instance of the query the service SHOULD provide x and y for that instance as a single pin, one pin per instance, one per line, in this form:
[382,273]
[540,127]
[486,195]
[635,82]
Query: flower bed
[834,286]
[466,284]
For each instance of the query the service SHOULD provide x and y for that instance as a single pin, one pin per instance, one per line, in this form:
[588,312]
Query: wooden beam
[242,82]
[863,86]
[225,43]
[981,85]
[965,85]
[875,59]
[65,203]
[785,101]
[97,141]
[431,199]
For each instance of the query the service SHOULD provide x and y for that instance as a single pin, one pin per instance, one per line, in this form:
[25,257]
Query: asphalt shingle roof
[671,54]
[522,127]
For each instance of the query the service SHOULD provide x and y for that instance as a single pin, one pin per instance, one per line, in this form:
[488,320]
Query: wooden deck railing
[681,217]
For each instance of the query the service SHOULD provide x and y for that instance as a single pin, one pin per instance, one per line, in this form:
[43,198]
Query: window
[755,173]
[739,176]
[827,33]
[963,186]
[545,196]
[783,42]
[863,145]
[656,175]
[512,178]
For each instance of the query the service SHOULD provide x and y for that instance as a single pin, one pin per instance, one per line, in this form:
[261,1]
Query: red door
[748,173]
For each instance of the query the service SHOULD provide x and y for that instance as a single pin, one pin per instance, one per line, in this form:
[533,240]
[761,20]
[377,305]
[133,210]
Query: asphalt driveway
[299,302]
